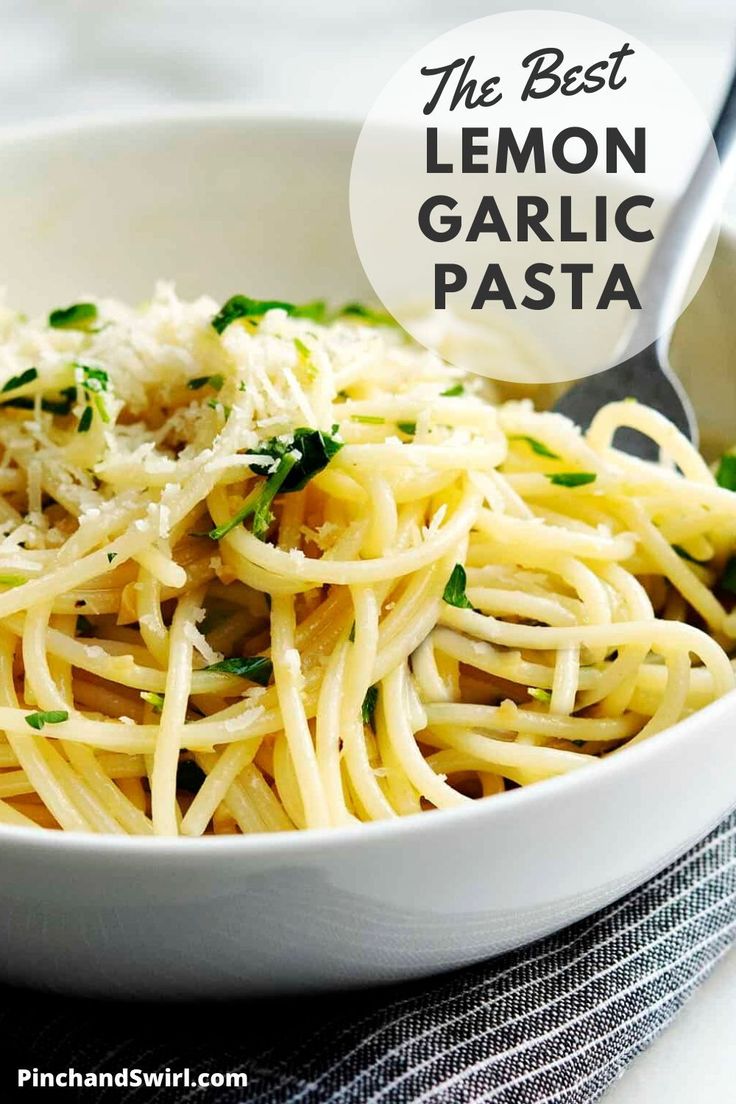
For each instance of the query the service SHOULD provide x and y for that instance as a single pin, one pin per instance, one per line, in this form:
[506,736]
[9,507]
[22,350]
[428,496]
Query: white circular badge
[509,187]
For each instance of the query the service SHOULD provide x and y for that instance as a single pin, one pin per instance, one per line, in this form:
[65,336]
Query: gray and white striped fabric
[554,1023]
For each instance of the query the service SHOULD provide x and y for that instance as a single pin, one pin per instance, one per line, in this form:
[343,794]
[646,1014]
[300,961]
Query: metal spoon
[647,375]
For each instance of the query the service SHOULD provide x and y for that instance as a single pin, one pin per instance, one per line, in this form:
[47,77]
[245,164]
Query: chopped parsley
[351,634]
[216,382]
[409,428]
[571,479]
[368,708]
[22,402]
[63,405]
[111,556]
[537,447]
[92,378]
[242,306]
[262,513]
[80,316]
[15,382]
[315,449]
[726,472]
[454,592]
[52,716]
[256,668]
[93,381]
[368,419]
[155,700]
[258,502]
[540,694]
[453,392]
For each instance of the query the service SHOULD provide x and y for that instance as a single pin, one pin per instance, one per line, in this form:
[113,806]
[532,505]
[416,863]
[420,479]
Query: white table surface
[62,56]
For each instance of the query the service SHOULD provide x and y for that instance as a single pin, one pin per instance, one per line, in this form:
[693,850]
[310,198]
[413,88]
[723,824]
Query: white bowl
[226,201]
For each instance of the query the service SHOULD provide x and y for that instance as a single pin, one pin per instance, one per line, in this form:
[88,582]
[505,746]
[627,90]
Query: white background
[63,56]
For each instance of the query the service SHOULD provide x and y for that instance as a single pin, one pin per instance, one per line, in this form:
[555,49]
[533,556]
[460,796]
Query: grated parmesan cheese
[200,643]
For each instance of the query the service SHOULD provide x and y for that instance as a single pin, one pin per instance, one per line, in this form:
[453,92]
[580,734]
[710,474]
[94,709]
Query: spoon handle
[686,230]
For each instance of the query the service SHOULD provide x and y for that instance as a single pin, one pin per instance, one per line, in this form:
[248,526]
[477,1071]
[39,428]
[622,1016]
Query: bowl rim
[184,113]
[278,844]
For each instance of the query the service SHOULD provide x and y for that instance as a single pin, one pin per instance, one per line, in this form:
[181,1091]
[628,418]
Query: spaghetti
[266,568]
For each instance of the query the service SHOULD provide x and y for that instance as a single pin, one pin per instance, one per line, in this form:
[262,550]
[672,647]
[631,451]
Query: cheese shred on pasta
[262,568]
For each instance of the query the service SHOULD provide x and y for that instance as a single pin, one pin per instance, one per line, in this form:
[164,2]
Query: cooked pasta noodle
[265,568]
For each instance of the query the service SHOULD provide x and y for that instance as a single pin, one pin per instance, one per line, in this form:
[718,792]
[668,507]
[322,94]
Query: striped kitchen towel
[554,1023]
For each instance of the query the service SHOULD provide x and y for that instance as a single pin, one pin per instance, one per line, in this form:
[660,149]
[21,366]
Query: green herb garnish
[262,514]
[315,450]
[298,458]
[256,668]
[61,406]
[92,378]
[216,382]
[23,402]
[540,694]
[453,392]
[242,306]
[53,716]
[368,708]
[409,428]
[571,479]
[368,419]
[726,473]
[93,381]
[351,634]
[80,316]
[536,446]
[111,556]
[15,382]
[13,580]
[454,592]
[258,502]
[51,406]
[156,700]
